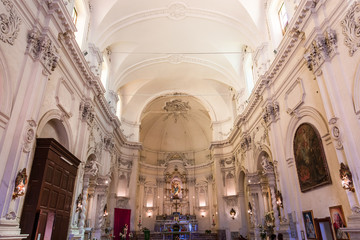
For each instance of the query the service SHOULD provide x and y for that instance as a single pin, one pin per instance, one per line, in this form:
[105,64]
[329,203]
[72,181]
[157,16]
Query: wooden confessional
[47,206]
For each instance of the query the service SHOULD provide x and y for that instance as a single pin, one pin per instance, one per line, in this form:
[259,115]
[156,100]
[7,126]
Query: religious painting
[309,224]
[176,189]
[338,221]
[311,165]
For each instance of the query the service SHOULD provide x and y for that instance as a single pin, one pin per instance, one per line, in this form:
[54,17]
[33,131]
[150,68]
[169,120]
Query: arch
[201,99]
[356,91]
[5,93]
[304,115]
[243,210]
[176,59]
[249,31]
[54,120]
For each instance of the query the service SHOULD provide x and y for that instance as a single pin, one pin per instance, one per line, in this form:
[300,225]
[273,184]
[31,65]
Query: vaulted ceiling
[163,48]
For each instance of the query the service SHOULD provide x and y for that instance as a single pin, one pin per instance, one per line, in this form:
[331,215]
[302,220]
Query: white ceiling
[161,48]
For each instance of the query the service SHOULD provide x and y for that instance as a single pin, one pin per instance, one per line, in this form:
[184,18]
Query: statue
[266,164]
[94,168]
[176,189]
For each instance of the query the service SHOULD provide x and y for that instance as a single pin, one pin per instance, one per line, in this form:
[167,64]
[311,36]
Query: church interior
[179,119]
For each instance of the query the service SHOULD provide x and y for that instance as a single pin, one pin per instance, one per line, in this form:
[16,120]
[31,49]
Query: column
[210,197]
[272,185]
[101,192]
[84,205]
[34,71]
[140,199]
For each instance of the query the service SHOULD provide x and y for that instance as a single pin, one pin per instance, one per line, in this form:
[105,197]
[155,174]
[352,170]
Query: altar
[185,225]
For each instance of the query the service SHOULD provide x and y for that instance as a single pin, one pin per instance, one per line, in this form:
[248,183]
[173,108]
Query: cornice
[199,166]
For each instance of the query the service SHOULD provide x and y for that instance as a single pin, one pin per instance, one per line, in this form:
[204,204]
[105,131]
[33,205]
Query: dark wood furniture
[48,200]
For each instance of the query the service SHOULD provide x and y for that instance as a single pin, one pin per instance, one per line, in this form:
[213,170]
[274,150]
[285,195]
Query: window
[248,70]
[74,16]
[283,17]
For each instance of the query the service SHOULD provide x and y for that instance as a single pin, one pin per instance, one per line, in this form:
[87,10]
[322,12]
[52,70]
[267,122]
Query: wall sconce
[232,213]
[20,184]
[202,214]
[279,200]
[105,211]
[346,178]
[250,210]
[149,214]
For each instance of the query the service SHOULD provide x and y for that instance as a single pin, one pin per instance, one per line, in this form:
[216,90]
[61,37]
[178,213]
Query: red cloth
[121,217]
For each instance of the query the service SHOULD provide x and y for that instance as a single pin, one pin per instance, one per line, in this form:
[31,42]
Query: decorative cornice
[9,25]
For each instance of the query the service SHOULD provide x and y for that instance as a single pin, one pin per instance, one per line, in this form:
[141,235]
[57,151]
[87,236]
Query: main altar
[174,223]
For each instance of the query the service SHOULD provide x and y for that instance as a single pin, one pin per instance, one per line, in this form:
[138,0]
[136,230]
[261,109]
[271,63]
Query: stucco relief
[41,48]
[9,24]
[322,48]
[29,135]
[351,28]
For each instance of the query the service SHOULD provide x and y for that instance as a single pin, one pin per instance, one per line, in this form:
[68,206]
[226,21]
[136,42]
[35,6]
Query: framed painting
[309,224]
[323,228]
[338,221]
[310,160]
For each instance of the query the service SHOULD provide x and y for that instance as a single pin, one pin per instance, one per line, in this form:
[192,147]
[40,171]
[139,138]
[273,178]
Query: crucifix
[176,204]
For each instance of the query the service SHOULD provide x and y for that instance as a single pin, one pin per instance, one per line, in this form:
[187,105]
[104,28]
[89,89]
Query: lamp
[149,214]
[346,178]
[202,214]
[20,184]
[232,213]
[105,211]
[279,199]
[250,211]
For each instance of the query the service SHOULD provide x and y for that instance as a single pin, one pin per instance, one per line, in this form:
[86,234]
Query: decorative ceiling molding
[177,11]
[175,59]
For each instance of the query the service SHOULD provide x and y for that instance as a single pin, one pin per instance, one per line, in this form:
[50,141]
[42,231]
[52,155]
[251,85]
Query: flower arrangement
[262,231]
[269,219]
[124,232]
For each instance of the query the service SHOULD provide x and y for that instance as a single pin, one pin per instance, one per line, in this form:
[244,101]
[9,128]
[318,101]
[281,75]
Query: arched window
[118,108]
[80,14]
[311,164]
[104,72]
[283,18]
[278,18]
[248,71]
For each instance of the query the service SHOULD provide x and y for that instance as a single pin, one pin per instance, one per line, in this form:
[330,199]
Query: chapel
[179,119]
